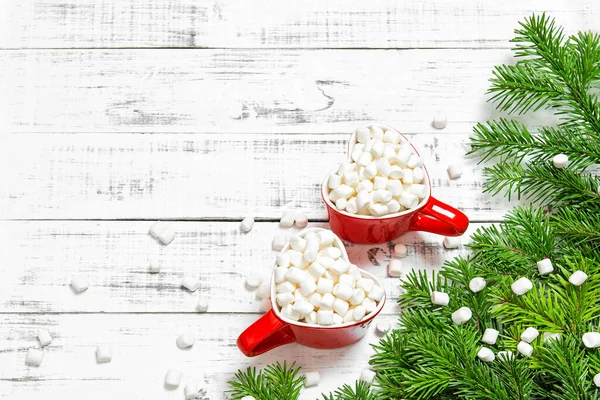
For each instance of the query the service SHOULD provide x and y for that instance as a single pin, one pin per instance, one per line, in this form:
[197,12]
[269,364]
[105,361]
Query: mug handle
[265,334]
[440,218]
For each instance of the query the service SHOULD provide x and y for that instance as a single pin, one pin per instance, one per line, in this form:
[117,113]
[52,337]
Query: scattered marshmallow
[383,327]
[477,284]
[462,315]
[395,268]
[162,232]
[455,171]
[265,305]
[529,334]
[279,242]
[287,219]
[248,398]
[253,281]
[452,242]
[367,376]
[440,298]
[263,292]
[103,353]
[44,337]
[545,266]
[301,220]
[186,340]
[79,284]
[202,305]
[597,380]
[525,348]
[591,340]
[400,250]
[577,278]
[439,121]
[34,357]
[521,286]
[560,160]
[191,284]
[173,378]
[191,391]
[247,224]
[490,335]
[311,378]
[486,355]
[154,266]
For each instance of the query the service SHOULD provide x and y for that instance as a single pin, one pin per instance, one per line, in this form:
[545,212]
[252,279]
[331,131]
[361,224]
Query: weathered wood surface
[40,258]
[276,23]
[246,91]
[202,176]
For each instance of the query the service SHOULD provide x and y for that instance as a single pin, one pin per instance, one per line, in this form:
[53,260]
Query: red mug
[274,329]
[431,215]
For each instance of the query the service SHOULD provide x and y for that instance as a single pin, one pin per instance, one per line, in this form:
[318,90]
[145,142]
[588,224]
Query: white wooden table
[116,113]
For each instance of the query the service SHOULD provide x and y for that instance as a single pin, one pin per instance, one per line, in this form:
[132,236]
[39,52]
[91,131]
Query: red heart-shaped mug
[430,215]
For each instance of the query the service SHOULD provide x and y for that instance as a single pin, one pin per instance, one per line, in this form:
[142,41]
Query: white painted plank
[40,257]
[143,349]
[200,176]
[290,91]
[276,23]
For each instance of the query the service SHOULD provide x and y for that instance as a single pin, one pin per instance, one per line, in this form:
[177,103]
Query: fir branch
[577,227]
[274,382]
[360,391]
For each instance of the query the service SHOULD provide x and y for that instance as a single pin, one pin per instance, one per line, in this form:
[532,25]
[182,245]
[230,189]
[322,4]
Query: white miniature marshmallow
[393,206]
[370,170]
[296,275]
[505,355]
[311,378]
[337,319]
[191,284]
[347,279]
[343,291]
[452,242]
[525,348]
[364,159]
[334,181]
[414,162]
[283,260]
[383,327]
[341,204]
[263,292]
[560,160]
[315,299]
[345,167]
[407,176]
[376,132]
[381,196]
[202,305]
[545,266]
[162,232]
[280,274]
[311,318]
[284,299]
[265,305]
[529,334]
[248,398]
[299,296]
[185,340]
[477,284]
[440,298]
[400,250]
[391,136]
[369,304]
[332,252]
[394,186]
[577,278]
[340,266]
[403,155]
[363,199]
[408,200]
[367,376]
[591,340]
[285,287]
[419,176]
[340,306]
[327,300]
[486,355]
[247,224]
[297,243]
[351,178]
[173,378]
[521,286]
[288,311]
[378,148]
[455,171]
[365,284]
[303,307]
[342,191]
[376,293]
[287,219]
[462,315]
[324,285]
[34,357]
[254,280]
[308,287]
[325,317]
[363,135]
[597,380]
[364,185]
[359,313]
[357,151]
[349,317]
[490,335]
[44,337]
[396,173]
[279,242]
[378,210]
[439,121]
[383,167]
[79,284]
[358,295]
[380,182]
[191,391]
[316,269]
[103,353]
[395,268]
[419,190]
[548,336]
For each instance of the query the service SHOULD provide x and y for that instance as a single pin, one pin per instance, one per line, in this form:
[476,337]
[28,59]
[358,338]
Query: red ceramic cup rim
[364,273]
[351,143]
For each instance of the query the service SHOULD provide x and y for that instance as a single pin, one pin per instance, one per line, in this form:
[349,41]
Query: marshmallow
[287,219]
[407,176]
[363,199]
[408,200]
[455,171]
[419,176]
[252,281]
[396,173]
[296,275]
[202,305]
[337,319]
[347,279]
[391,136]
[44,337]
[327,301]
[376,293]
[340,306]
[560,160]
[370,170]
[577,278]
[376,132]
[597,380]
[308,287]
[383,327]
[303,307]
[369,304]
[349,317]
[186,340]
[248,398]
[345,167]
[365,284]
[382,196]
[490,336]
[162,232]
[342,191]
[247,224]
[332,276]
[324,285]
[325,317]
[358,295]
[521,286]
[311,318]
[288,311]
[79,284]
[394,186]
[395,268]
[591,340]
[364,185]
[103,353]
[34,357]
[284,299]
[299,296]
[357,151]
[383,167]
[462,315]
[414,162]
[351,178]
[154,266]
[316,269]
[378,210]
[334,181]
[263,292]
[486,355]
[419,190]
[363,135]
[378,148]
[380,182]
[265,305]
[392,206]
[545,266]
[452,242]
[332,252]
[367,376]
[529,334]
[173,378]
[191,284]
[364,159]
[525,348]
[477,284]
[280,274]
[283,260]
[315,299]
[311,378]
[297,243]
[340,266]
[191,391]
[400,250]
[440,298]
[279,242]
[341,204]
[505,355]
[439,121]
